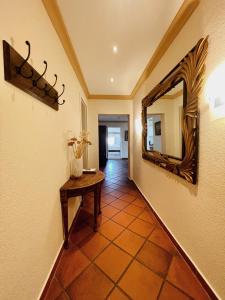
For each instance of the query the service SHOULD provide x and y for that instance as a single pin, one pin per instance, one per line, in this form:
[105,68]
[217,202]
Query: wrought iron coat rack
[21,74]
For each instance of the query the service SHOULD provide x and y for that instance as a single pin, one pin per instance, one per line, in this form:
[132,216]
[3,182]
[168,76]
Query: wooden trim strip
[110,97]
[205,285]
[55,16]
[129,97]
[175,27]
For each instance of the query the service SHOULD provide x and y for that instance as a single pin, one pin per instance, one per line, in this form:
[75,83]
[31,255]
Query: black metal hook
[19,68]
[47,91]
[63,85]
[36,81]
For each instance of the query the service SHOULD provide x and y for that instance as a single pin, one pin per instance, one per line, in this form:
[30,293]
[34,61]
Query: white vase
[76,167]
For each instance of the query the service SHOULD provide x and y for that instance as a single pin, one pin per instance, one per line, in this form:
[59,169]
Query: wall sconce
[215,91]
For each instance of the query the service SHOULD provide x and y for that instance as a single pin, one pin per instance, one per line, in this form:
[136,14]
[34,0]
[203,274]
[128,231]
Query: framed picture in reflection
[126,135]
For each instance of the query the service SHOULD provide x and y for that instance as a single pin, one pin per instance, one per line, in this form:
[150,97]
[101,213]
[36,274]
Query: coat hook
[57,99]
[47,91]
[36,81]
[19,68]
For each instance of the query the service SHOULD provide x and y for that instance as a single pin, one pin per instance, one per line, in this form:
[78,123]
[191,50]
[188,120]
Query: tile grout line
[63,289]
[125,270]
[135,257]
[111,241]
[92,261]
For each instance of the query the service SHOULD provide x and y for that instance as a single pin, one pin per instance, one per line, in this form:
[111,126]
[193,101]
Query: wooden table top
[86,180]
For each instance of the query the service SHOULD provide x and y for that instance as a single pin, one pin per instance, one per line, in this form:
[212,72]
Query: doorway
[113,140]
[114,147]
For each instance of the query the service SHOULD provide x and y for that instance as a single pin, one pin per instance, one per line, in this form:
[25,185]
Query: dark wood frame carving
[12,59]
[190,70]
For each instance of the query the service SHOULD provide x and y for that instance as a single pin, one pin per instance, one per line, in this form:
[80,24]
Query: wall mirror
[164,123]
[170,116]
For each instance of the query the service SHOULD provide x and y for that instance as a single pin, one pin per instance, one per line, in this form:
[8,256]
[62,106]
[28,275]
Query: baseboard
[212,294]
[201,278]
[46,284]
[55,263]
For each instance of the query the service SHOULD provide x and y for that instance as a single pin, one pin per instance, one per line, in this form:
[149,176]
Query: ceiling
[113,118]
[136,27]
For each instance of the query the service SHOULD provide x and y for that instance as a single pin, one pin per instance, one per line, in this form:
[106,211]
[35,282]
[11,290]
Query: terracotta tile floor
[130,257]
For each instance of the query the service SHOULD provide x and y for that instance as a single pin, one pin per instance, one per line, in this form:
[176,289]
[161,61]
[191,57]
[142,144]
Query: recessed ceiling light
[115,49]
[111,79]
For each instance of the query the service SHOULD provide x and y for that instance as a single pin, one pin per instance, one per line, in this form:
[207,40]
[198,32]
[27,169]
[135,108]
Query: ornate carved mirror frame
[190,70]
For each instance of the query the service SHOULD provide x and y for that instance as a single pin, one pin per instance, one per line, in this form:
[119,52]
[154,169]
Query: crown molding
[55,16]
[109,97]
[175,27]
[184,13]
[182,16]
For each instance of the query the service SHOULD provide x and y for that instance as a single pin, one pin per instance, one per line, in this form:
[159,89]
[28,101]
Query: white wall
[104,107]
[33,154]
[123,127]
[194,214]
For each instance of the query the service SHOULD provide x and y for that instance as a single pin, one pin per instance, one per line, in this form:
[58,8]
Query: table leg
[96,207]
[64,207]
[99,198]
[82,201]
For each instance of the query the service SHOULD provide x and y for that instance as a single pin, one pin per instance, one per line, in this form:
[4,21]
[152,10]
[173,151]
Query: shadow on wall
[193,189]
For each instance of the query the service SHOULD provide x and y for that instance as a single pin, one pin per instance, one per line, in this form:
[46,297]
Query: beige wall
[97,107]
[33,154]
[194,214]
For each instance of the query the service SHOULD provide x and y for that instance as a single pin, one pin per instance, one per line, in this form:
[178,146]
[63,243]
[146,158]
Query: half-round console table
[79,187]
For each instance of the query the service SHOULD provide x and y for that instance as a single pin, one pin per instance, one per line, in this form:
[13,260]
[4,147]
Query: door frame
[129,136]
[85,123]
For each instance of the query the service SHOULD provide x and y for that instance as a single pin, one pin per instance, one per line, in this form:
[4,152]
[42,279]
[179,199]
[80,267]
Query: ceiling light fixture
[115,49]
[111,79]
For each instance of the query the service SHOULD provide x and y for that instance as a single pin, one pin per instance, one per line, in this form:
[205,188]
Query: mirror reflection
[164,123]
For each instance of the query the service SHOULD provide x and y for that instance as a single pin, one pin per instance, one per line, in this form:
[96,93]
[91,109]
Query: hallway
[150,75]
[130,257]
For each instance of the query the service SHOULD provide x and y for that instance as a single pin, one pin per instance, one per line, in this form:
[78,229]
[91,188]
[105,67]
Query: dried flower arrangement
[79,144]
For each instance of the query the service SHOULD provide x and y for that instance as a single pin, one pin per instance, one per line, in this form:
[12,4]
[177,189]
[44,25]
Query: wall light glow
[215,91]
[115,49]
[138,126]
